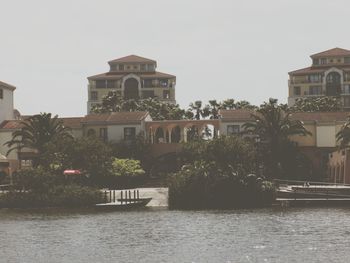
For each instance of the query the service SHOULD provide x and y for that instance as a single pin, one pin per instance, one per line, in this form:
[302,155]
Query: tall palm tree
[198,110]
[274,126]
[36,132]
[343,136]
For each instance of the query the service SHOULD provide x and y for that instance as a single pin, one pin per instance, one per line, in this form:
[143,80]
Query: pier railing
[125,196]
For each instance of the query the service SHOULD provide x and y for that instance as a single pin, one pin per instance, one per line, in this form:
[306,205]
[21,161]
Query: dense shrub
[40,188]
[58,196]
[204,185]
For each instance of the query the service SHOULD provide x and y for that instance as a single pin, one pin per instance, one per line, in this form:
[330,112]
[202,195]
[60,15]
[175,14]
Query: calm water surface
[271,235]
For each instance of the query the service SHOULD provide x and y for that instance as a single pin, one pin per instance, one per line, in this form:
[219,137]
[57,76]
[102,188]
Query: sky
[217,49]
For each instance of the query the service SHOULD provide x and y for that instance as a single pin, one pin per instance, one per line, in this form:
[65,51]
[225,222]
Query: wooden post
[121,197]
[113,196]
[129,196]
[105,196]
[110,196]
[138,195]
[134,195]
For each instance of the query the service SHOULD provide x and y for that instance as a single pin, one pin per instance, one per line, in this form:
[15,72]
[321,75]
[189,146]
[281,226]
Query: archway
[333,84]
[159,135]
[131,89]
[176,134]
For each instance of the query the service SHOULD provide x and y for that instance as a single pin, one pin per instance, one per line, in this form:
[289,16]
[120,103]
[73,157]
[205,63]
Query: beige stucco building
[133,77]
[329,75]
[6,101]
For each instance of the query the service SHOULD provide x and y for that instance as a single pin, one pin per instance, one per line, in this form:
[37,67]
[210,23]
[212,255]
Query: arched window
[333,84]
[131,89]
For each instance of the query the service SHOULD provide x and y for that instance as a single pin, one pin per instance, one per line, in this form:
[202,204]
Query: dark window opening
[129,133]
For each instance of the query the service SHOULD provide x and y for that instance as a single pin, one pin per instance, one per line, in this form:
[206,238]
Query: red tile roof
[11,125]
[334,52]
[311,70]
[236,115]
[307,70]
[116,76]
[72,122]
[115,118]
[7,86]
[132,59]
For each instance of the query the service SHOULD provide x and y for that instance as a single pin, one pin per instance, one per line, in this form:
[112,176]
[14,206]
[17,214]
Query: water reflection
[159,235]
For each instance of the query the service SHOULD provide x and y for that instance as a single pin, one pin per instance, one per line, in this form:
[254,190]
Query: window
[297,91]
[316,61]
[103,134]
[121,67]
[150,67]
[315,90]
[315,78]
[347,60]
[1,93]
[113,67]
[323,61]
[233,129]
[93,95]
[129,133]
[346,89]
[346,101]
[166,94]
[100,84]
[147,83]
[135,66]
[143,67]
[163,83]
[110,84]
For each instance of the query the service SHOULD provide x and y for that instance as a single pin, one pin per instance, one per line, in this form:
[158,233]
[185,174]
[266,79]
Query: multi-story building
[329,75]
[133,77]
[6,101]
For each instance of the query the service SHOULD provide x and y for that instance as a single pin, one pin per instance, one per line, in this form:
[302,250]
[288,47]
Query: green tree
[318,104]
[274,126]
[198,110]
[158,110]
[36,132]
[224,152]
[343,136]
[126,167]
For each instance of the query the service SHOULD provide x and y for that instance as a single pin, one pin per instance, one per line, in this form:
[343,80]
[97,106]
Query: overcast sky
[217,49]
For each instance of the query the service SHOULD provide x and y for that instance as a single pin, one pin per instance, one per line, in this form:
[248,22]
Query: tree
[198,111]
[318,104]
[36,132]
[343,136]
[127,167]
[274,126]
[158,110]
[224,152]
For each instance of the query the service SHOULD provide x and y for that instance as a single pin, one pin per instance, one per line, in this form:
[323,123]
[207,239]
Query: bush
[40,188]
[58,196]
[205,186]
[37,179]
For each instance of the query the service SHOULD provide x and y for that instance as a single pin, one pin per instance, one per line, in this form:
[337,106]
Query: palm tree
[343,136]
[36,132]
[199,112]
[274,126]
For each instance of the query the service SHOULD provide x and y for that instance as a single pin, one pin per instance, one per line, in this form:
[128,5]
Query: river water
[160,235]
